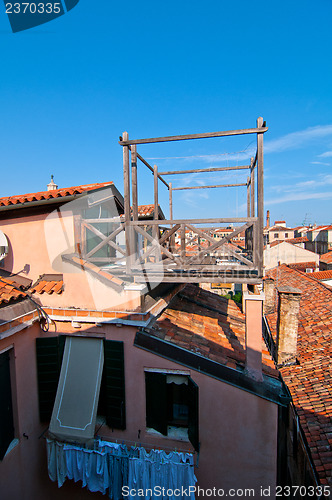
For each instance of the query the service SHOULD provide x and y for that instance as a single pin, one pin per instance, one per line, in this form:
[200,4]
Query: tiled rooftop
[322,275]
[326,257]
[48,284]
[47,195]
[210,325]
[310,381]
[9,292]
[302,266]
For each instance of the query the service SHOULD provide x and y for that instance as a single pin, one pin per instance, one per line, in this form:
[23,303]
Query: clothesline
[139,444]
[110,467]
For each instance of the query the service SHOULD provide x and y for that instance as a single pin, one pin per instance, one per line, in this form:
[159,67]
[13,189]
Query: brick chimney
[287,324]
[268,219]
[270,295]
[51,186]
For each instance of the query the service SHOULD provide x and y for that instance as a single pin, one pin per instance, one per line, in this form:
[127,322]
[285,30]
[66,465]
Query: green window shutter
[49,356]
[156,401]
[193,414]
[6,408]
[114,384]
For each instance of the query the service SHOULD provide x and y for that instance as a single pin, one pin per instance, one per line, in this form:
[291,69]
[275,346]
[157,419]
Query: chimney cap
[289,289]
[51,186]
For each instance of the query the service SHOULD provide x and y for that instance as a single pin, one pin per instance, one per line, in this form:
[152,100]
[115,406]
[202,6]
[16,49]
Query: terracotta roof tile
[9,292]
[322,275]
[48,284]
[47,195]
[302,266]
[326,257]
[310,381]
[210,325]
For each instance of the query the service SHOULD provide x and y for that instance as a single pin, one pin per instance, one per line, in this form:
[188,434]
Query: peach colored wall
[27,245]
[39,241]
[238,431]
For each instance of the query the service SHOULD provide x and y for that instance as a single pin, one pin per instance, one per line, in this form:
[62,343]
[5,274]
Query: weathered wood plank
[134,182]
[209,187]
[260,195]
[206,135]
[216,222]
[199,170]
[252,189]
[105,241]
[153,241]
[126,187]
[200,233]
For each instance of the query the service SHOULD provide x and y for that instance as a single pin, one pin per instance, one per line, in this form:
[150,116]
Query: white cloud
[320,163]
[328,154]
[297,139]
[299,196]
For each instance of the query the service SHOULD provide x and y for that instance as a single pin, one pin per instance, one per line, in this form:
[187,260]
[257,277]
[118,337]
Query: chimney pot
[51,186]
[287,324]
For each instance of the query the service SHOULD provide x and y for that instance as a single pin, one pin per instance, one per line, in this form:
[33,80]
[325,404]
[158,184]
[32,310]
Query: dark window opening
[172,406]
[177,404]
[6,407]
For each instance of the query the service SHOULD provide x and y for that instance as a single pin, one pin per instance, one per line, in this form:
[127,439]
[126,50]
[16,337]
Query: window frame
[157,404]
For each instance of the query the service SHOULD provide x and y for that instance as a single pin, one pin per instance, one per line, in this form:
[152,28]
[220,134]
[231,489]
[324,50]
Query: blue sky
[69,88]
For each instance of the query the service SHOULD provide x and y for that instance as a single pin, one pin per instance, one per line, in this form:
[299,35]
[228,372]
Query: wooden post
[172,238]
[170,202]
[156,208]
[248,196]
[134,181]
[183,242]
[252,187]
[126,188]
[135,198]
[260,194]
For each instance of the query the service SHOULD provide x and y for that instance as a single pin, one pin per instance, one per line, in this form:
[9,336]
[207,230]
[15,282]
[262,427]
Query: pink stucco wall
[238,431]
[36,244]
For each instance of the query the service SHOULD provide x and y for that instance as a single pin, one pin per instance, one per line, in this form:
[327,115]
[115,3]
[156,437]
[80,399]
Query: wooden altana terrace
[183,250]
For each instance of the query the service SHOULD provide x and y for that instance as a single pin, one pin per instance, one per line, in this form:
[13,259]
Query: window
[6,406]
[172,405]
[275,235]
[286,235]
[52,358]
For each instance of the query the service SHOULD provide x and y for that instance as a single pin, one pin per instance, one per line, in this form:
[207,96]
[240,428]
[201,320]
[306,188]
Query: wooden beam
[207,135]
[150,168]
[252,189]
[216,222]
[155,231]
[106,240]
[164,237]
[153,241]
[126,185]
[170,201]
[201,233]
[209,187]
[134,181]
[260,195]
[199,170]
[184,278]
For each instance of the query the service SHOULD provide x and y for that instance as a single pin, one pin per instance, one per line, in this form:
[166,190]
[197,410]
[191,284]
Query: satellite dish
[3,246]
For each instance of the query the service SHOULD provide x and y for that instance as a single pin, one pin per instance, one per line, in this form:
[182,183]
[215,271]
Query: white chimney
[51,186]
